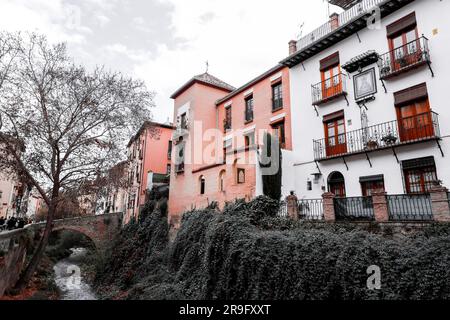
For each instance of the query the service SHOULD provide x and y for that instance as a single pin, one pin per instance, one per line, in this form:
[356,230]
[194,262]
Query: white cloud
[240,39]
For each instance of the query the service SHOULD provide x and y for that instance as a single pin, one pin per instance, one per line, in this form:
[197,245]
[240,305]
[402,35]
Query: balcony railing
[329,89]
[346,17]
[404,58]
[407,130]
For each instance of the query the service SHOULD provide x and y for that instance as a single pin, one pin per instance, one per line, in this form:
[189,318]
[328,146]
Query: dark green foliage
[244,254]
[272,183]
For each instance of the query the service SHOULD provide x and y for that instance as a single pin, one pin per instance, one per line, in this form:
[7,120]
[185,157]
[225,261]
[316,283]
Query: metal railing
[355,208]
[410,207]
[346,17]
[405,57]
[329,89]
[306,209]
[424,126]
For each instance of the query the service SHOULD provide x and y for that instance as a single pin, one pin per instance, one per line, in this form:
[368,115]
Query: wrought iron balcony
[408,130]
[409,56]
[329,89]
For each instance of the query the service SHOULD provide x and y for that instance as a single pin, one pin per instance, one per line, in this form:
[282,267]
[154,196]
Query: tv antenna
[299,35]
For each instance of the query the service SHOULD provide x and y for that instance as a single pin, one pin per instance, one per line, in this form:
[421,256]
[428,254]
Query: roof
[248,84]
[351,21]
[205,79]
[148,124]
[361,61]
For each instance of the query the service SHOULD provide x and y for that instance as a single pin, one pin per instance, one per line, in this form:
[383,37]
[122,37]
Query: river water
[69,277]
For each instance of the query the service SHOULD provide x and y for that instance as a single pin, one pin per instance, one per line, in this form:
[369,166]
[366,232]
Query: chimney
[334,21]
[292,47]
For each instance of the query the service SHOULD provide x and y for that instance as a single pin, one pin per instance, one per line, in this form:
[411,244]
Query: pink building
[149,156]
[219,130]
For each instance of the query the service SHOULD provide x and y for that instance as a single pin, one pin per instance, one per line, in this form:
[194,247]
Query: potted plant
[372,144]
[389,139]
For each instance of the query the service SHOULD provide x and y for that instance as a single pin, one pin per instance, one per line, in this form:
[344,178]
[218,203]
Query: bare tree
[71,123]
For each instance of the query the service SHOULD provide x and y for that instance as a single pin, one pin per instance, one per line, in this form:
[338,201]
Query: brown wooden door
[331,82]
[335,139]
[405,49]
[415,121]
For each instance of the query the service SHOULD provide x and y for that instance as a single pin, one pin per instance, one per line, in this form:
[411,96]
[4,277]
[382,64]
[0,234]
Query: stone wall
[13,251]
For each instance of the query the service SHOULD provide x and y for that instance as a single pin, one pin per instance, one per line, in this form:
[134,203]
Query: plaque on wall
[365,84]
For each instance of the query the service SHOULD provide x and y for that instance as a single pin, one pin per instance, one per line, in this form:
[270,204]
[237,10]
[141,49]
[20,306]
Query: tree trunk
[28,273]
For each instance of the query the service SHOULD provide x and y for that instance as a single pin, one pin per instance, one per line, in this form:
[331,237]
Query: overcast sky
[166,42]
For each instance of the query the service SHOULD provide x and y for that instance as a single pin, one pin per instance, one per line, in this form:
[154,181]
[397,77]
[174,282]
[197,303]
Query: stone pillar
[380,206]
[440,203]
[328,206]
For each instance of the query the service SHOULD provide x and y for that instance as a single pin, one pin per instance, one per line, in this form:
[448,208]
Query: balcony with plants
[408,130]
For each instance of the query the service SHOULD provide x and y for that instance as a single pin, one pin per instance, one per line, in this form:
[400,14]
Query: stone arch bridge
[100,229]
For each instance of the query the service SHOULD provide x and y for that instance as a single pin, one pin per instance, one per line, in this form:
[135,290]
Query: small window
[202,185]
[183,121]
[222,181]
[169,151]
[249,139]
[249,109]
[277,96]
[240,175]
[169,169]
[279,132]
[228,120]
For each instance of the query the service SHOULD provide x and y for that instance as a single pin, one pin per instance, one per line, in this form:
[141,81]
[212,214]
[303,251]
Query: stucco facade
[220,144]
[149,153]
[378,115]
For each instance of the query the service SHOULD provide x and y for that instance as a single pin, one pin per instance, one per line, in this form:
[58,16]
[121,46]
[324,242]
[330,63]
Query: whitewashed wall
[308,126]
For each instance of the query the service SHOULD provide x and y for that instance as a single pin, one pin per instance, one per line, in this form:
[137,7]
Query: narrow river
[69,277]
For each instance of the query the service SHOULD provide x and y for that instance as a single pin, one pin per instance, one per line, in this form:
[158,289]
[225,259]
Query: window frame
[248,106]
[277,96]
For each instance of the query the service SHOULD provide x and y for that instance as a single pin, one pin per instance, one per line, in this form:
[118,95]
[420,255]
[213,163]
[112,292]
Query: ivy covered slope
[246,253]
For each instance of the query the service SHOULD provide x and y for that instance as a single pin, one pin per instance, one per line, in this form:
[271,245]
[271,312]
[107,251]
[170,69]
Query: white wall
[308,126]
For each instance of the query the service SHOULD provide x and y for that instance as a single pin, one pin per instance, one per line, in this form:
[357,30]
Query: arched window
[202,185]
[222,181]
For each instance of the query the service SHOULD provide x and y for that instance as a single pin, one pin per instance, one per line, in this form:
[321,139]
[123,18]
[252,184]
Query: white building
[396,133]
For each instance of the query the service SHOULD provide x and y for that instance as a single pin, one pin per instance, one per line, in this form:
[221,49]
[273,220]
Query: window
[202,185]
[169,169]
[228,119]
[222,181]
[183,121]
[331,76]
[335,136]
[414,113]
[403,38]
[279,132]
[277,96]
[249,109]
[371,184]
[420,175]
[240,175]
[169,152]
[249,139]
